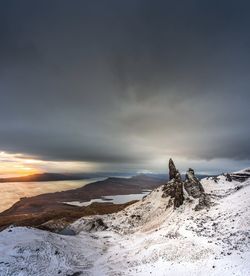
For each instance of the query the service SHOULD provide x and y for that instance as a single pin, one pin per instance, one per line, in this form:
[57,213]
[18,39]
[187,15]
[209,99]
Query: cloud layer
[125,82]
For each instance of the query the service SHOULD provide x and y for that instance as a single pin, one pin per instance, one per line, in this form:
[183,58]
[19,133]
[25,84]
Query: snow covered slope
[149,237]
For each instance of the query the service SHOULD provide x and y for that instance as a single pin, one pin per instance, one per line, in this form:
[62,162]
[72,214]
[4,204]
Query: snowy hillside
[150,237]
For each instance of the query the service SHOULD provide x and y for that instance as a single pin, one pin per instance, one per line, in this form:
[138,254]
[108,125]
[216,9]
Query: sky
[124,85]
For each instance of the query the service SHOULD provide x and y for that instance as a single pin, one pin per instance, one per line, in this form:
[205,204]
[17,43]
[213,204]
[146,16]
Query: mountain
[41,177]
[183,227]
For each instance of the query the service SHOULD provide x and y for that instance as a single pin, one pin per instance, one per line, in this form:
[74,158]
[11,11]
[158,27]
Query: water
[116,199]
[12,192]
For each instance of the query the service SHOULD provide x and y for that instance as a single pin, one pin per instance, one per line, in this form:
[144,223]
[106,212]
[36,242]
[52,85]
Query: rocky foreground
[184,227]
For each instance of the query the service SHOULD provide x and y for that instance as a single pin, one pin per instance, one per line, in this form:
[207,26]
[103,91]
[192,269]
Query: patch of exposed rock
[215,179]
[228,177]
[175,188]
[91,224]
[97,225]
[54,225]
[192,184]
[172,169]
[240,177]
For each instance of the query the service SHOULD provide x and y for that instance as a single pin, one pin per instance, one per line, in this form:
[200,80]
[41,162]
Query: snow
[147,238]
[245,171]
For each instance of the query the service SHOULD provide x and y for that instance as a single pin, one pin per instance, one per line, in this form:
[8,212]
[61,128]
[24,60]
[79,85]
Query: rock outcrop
[228,177]
[192,184]
[204,202]
[175,188]
[179,196]
[172,169]
[98,225]
[194,189]
[91,224]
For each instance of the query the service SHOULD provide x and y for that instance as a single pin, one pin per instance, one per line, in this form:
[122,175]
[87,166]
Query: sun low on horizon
[15,165]
[18,164]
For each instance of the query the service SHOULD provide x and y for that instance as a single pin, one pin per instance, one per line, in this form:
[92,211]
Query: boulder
[174,189]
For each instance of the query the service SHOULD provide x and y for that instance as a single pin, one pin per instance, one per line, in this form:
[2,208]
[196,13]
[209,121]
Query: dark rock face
[192,185]
[179,197]
[169,189]
[241,176]
[174,188]
[194,188]
[228,177]
[172,169]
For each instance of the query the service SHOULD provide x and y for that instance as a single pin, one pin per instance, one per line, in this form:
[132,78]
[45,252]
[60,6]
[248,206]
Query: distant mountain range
[41,177]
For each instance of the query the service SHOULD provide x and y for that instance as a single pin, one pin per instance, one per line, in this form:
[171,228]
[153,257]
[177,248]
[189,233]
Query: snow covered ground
[147,238]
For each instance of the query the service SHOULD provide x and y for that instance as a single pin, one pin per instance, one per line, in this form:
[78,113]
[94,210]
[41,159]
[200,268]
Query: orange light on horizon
[13,165]
[17,164]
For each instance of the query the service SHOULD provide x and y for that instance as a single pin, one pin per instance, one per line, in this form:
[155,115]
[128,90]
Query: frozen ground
[147,238]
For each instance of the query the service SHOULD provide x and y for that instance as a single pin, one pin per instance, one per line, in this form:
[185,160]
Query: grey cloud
[125,81]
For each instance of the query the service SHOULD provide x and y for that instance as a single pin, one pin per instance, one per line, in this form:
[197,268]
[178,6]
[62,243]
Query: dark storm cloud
[125,81]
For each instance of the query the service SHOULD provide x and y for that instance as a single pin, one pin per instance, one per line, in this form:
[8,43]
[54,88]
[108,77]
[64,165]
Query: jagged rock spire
[179,196]
[174,188]
[172,169]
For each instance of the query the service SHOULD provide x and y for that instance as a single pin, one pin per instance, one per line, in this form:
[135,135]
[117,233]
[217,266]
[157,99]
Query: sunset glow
[15,165]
